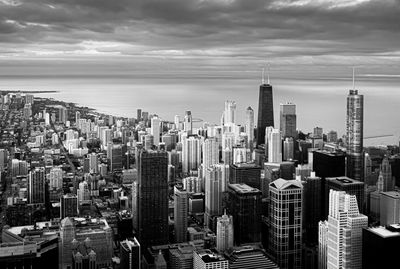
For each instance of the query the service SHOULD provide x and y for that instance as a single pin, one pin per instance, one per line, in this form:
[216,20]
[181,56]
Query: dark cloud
[308,31]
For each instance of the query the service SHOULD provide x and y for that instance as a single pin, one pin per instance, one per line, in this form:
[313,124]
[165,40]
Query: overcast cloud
[208,32]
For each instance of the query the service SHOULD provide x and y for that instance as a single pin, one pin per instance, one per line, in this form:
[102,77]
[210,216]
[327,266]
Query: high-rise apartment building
[130,254]
[188,122]
[155,129]
[230,112]
[210,153]
[191,153]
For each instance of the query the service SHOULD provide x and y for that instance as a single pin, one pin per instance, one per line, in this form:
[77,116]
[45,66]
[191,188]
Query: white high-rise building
[210,153]
[230,112]
[191,153]
[250,127]
[213,192]
[224,232]
[56,178]
[180,214]
[83,192]
[155,129]
[239,155]
[275,146]
[177,121]
[343,240]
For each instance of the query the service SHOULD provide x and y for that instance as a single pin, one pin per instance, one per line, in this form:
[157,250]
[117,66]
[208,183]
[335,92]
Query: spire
[262,76]
[354,71]
[268,73]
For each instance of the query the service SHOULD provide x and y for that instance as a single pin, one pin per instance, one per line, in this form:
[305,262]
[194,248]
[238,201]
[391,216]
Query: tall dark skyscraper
[265,111]
[245,207]
[150,198]
[248,173]
[355,129]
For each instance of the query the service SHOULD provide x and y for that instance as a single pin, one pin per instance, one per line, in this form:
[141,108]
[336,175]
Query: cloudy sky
[38,35]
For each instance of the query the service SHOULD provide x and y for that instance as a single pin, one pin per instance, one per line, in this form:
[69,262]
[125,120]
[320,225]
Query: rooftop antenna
[354,77]
[268,73]
[262,75]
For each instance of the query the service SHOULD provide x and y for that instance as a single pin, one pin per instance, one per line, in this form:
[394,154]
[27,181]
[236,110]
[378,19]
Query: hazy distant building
[155,129]
[355,130]
[288,120]
[188,122]
[288,149]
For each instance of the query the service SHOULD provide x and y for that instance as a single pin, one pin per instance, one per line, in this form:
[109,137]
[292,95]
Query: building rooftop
[344,181]
[282,184]
[385,232]
[209,256]
[243,188]
[392,194]
[246,165]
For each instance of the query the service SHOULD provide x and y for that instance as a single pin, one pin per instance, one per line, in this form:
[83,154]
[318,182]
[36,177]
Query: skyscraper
[181,201]
[288,120]
[245,207]
[213,193]
[250,127]
[187,122]
[191,153]
[37,186]
[68,206]
[224,232]
[230,112]
[247,173]
[130,254]
[288,149]
[139,115]
[344,232]
[265,110]
[210,153]
[285,219]
[312,197]
[388,180]
[275,147]
[151,198]
[155,129]
[355,129]
[350,186]
[389,208]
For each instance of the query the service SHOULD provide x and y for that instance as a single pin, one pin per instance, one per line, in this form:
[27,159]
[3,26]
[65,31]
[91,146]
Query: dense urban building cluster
[85,190]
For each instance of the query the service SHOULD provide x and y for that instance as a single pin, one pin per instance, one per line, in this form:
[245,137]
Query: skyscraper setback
[265,111]
[355,129]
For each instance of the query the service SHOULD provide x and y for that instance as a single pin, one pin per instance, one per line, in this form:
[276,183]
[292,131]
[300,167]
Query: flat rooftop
[243,188]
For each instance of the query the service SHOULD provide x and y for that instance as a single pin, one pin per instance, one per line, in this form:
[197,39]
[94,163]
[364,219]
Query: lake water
[320,102]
